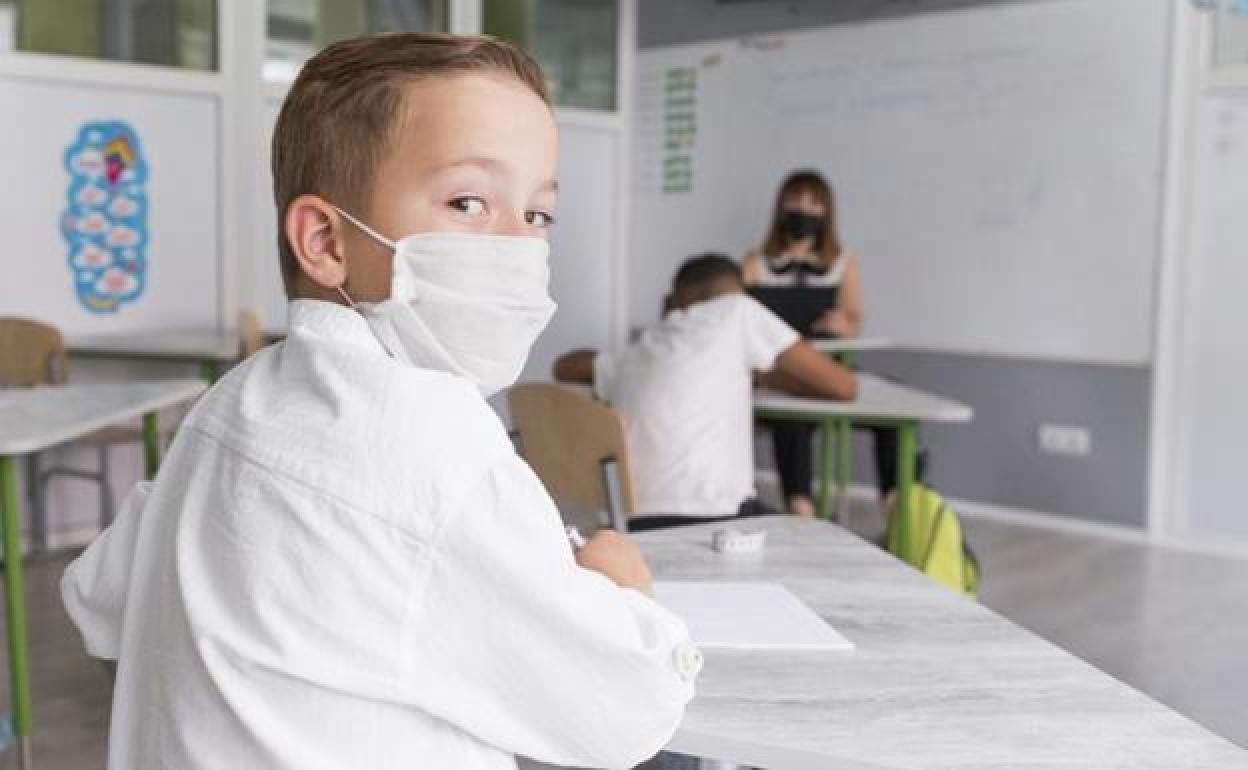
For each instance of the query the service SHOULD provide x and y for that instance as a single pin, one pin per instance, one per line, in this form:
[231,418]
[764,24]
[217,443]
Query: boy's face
[475,153]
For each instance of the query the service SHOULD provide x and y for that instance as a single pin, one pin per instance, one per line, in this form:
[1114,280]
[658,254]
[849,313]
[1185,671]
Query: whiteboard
[177,138]
[998,168]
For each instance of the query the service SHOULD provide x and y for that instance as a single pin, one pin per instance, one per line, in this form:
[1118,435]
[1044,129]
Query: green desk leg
[907,454]
[844,451]
[826,469]
[844,468]
[15,605]
[151,444]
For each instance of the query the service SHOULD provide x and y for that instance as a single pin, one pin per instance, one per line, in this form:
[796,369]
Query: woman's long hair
[807,180]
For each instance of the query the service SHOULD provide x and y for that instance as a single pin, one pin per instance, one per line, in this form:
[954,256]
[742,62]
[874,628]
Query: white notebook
[748,616]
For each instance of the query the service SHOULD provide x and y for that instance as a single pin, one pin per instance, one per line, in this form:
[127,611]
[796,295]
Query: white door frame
[1193,76]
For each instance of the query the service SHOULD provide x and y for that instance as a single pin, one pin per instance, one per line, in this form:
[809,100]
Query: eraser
[737,541]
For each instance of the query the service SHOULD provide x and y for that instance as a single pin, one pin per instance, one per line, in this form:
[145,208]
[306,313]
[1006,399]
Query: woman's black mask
[799,224]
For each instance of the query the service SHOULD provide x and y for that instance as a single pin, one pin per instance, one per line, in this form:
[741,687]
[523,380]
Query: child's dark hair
[698,274]
[701,278]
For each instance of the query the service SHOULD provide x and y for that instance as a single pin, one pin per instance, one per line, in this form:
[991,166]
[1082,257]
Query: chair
[31,353]
[251,336]
[576,446]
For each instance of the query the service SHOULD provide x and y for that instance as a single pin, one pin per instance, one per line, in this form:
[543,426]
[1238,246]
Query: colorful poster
[105,219]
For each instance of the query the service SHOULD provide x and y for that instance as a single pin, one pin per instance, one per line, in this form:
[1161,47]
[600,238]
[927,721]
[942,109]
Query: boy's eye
[539,219]
[468,205]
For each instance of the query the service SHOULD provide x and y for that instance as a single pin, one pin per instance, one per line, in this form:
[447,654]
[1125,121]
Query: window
[1230,34]
[297,29]
[575,41]
[172,33]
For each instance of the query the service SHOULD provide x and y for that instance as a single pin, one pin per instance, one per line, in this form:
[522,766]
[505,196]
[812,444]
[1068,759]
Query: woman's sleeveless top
[778,272]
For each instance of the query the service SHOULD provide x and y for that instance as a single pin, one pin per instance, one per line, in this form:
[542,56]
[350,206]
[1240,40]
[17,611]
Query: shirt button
[687,660]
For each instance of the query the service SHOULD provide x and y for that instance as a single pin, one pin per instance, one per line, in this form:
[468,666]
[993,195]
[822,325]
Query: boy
[684,391]
[342,563]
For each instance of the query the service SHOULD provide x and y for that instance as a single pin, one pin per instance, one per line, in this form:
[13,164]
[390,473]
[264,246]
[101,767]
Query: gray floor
[1173,624]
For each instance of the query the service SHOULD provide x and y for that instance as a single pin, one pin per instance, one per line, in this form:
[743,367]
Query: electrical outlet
[1068,440]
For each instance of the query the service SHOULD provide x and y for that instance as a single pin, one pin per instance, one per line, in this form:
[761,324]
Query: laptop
[799,306]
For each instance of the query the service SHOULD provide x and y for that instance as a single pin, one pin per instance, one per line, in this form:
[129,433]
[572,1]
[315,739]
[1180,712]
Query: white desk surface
[206,344]
[876,398]
[936,680]
[33,419]
[851,344]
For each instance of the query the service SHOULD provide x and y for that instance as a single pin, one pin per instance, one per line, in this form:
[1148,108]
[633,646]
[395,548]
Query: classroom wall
[996,459]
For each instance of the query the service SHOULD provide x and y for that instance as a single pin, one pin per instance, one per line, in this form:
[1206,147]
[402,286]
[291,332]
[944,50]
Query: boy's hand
[803,371]
[617,557]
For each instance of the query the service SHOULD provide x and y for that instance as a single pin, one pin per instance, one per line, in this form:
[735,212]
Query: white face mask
[467,304]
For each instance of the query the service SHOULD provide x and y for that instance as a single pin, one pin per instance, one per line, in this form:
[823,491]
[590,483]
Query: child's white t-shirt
[343,564]
[684,391]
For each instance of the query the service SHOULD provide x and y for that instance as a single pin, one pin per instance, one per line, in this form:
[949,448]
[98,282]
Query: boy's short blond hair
[340,117]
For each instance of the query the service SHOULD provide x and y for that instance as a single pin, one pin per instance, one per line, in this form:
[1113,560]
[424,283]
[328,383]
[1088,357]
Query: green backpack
[936,547]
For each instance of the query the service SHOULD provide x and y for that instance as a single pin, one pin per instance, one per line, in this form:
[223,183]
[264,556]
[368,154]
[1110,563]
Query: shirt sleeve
[763,333]
[95,585]
[604,375]
[520,647]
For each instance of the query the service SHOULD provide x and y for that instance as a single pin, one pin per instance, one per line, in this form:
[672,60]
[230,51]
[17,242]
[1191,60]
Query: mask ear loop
[342,292]
[370,232]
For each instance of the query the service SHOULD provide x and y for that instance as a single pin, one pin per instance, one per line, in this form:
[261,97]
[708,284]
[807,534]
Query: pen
[575,538]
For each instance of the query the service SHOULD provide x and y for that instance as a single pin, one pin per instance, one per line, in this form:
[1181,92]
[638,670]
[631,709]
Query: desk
[879,402]
[211,349]
[936,681]
[35,419]
[849,345]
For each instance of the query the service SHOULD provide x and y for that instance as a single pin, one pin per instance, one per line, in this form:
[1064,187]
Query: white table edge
[956,413]
[944,409]
[189,389]
[117,345]
[751,753]
[852,344]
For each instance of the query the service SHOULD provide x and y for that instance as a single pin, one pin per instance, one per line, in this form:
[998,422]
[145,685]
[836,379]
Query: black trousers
[795,456]
[750,508]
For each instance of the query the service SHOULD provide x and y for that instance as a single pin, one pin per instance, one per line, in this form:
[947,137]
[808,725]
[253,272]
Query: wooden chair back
[576,446]
[31,353]
[251,336]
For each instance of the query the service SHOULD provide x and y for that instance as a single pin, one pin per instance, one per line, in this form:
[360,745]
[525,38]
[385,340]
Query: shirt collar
[328,319]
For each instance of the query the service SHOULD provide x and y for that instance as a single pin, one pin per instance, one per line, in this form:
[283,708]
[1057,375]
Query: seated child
[684,391]
[343,563]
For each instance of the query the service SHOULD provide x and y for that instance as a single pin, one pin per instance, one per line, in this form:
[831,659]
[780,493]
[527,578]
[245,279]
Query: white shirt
[344,564]
[684,391]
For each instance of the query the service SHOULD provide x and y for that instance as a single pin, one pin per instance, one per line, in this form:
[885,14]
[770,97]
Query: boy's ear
[314,232]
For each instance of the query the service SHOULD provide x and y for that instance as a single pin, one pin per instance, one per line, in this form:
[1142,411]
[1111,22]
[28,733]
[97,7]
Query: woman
[803,249]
